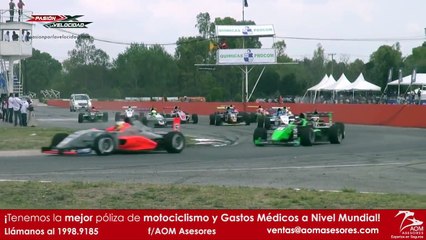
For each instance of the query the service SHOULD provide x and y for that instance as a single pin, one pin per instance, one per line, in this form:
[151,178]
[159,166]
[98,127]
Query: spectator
[16,105]
[15,37]
[24,111]
[4,108]
[31,115]
[27,36]
[7,37]
[10,108]
[11,10]
[419,95]
[20,9]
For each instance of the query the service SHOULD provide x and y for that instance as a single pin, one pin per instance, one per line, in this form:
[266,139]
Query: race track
[371,159]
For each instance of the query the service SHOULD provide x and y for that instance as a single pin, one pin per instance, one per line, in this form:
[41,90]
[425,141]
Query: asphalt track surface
[370,159]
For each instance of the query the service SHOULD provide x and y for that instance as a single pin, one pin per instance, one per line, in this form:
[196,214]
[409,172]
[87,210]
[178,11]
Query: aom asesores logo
[410,225]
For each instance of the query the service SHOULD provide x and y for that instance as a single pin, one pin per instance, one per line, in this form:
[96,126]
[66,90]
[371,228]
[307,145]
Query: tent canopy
[324,83]
[315,88]
[342,84]
[420,80]
[360,84]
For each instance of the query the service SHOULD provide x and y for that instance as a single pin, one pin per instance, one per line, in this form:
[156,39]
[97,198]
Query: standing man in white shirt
[16,103]
[24,111]
[10,108]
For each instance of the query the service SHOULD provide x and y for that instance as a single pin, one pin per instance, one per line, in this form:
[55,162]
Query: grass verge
[19,138]
[80,195]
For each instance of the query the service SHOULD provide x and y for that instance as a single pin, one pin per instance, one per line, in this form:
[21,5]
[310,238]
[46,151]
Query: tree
[86,53]
[40,71]
[385,58]
[146,71]
[205,27]
[87,68]
[417,60]
[280,47]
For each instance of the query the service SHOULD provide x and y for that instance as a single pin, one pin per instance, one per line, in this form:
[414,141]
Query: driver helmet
[153,111]
[119,125]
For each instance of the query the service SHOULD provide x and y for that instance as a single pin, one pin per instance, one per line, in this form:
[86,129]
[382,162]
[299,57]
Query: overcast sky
[164,21]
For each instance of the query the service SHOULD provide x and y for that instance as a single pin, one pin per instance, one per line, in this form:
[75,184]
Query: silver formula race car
[122,137]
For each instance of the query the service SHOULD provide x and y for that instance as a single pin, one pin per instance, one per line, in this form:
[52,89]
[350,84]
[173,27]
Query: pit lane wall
[365,114]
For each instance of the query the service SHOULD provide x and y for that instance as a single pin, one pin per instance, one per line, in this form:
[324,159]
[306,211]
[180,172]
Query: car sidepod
[136,143]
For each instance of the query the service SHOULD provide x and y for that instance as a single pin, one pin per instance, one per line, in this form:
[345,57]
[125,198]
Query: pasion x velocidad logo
[59,21]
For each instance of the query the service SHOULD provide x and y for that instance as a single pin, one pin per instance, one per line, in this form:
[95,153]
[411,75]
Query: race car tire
[246,118]
[117,116]
[268,123]
[144,121]
[260,121]
[218,120]
[342,128]
[261,133]
[194,118]
[335,134]
[80,117]
[104,145]
[57,138]
[105,117]
[174,142]
[307,136]
[212,119]
[253,117]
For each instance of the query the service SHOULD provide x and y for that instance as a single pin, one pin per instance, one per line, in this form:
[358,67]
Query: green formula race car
[92,115]
[305,129]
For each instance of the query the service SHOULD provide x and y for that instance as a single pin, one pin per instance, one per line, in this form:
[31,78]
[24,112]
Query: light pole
[332,62]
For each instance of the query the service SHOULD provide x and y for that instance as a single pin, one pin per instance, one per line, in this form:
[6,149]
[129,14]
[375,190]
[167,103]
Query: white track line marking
[279,168]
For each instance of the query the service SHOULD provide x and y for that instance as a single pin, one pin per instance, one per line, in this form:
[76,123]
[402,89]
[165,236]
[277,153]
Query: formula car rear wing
[319,114]
[125,107]
[329,115]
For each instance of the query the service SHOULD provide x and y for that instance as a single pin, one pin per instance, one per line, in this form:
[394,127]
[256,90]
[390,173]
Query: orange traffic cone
[176,124]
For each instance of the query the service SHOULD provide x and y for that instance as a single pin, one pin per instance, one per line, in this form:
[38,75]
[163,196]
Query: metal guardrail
[50,94]
[5,15]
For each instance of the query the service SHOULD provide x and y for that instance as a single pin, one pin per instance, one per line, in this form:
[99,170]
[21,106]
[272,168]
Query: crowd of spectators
[16,110]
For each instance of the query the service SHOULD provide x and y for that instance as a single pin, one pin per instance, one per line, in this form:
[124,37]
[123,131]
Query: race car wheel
[57,138]
[267,123]
[218,120]
[194,118]
[259,134]
[246,118]
[335,134]
[212,119]
[104,144]
[253,117]
[307,136]
[117,116]
[260,121]
[80,117]
[342,128]
[105,117]
[144,121]
[174,142]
